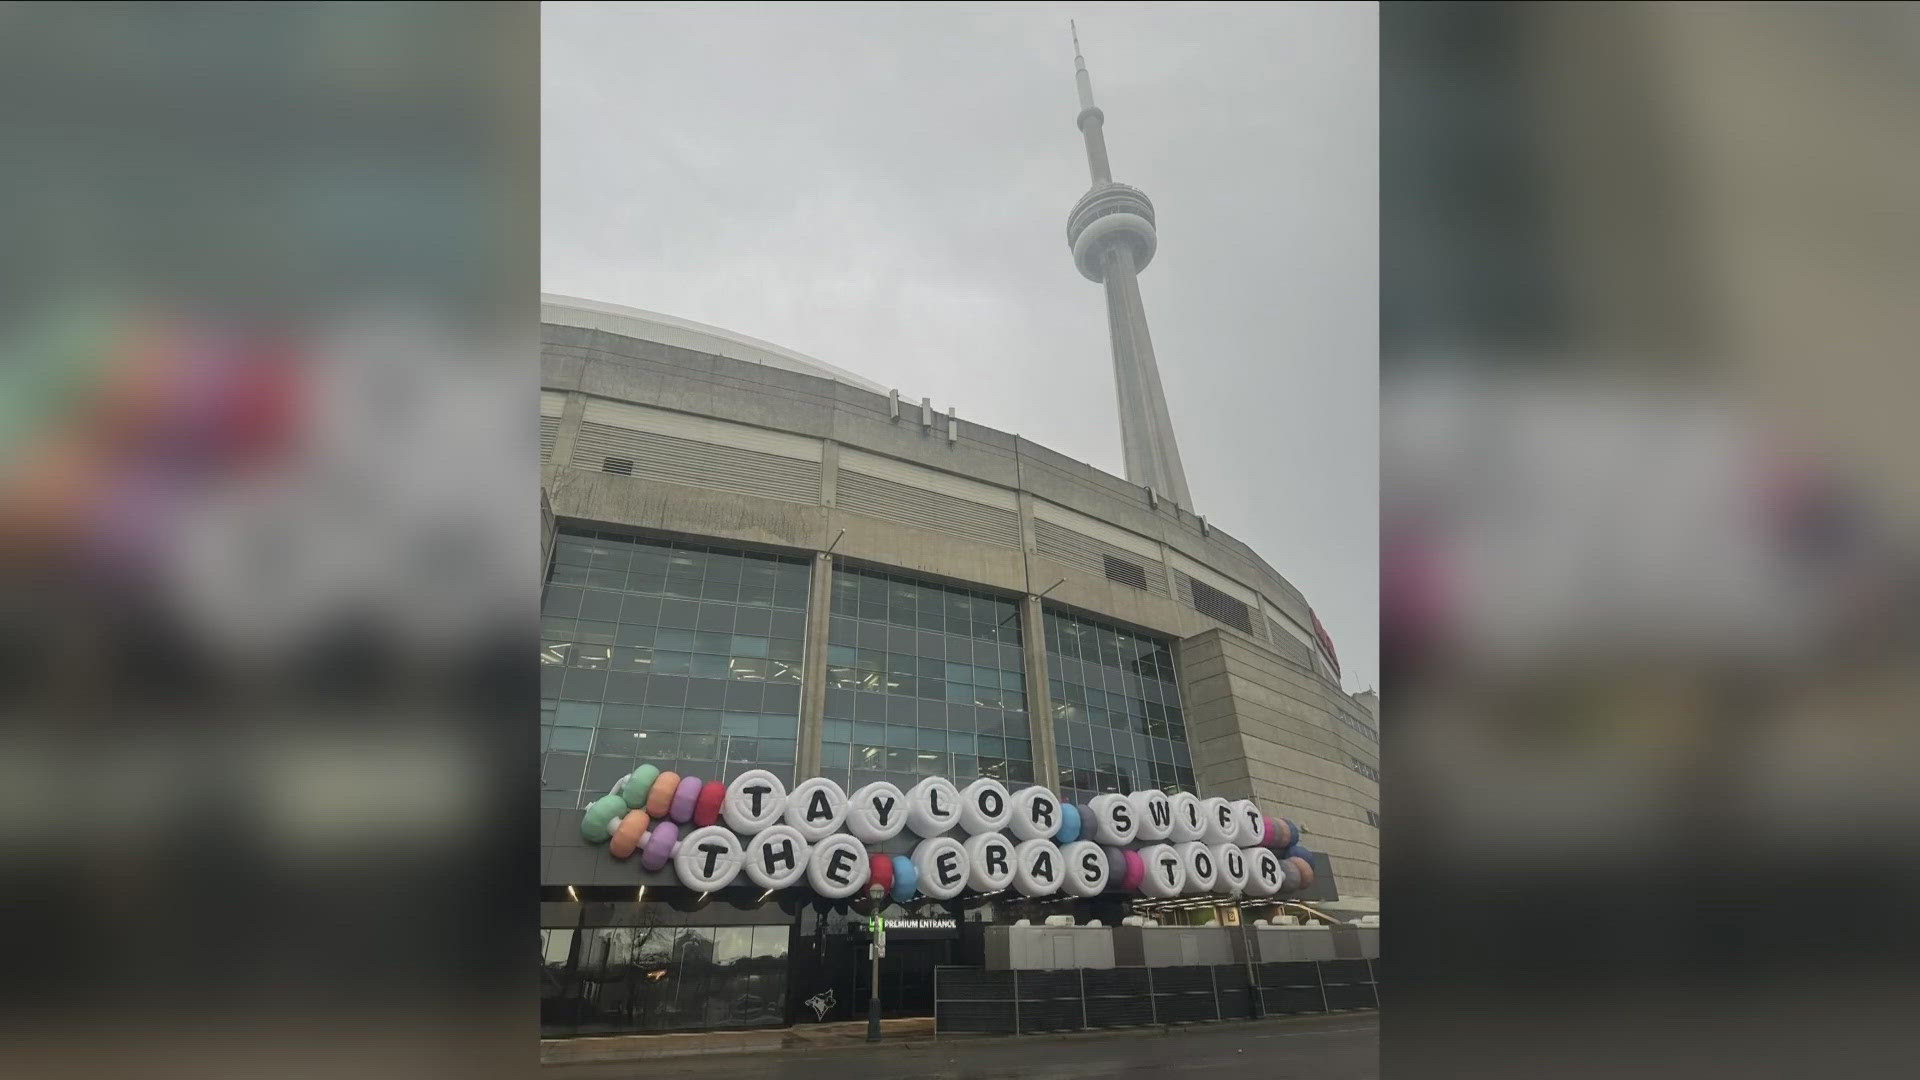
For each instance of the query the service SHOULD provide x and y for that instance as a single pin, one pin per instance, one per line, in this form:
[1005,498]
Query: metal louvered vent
[1126,573]
[618,465]
[1289,646]
[1218,606]
[1082,552]
[549,430]
[908,505]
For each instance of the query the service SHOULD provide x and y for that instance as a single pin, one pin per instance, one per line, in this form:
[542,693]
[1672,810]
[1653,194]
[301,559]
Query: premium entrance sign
[982,838]
[946,922]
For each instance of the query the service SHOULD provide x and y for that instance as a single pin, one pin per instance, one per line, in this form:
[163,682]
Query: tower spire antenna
[1085,83]
[1112,233]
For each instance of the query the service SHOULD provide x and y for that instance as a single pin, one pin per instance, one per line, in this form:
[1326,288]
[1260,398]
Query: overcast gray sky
[887,188]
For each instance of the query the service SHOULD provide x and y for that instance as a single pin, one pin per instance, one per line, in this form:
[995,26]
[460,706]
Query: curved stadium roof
[687,334]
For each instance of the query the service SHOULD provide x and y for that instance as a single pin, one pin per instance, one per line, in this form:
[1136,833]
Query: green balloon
[639,783]
[594,823]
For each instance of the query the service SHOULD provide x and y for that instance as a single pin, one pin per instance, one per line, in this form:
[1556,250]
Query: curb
[1140,1032]
[789,1041]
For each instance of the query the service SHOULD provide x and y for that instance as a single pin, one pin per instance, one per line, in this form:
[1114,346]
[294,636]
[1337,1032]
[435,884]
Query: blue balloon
[906,879]
[1300,850]
[1069,824]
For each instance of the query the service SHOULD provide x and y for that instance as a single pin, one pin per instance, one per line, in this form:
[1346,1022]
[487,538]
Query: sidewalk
[905,1033]
[648,1047]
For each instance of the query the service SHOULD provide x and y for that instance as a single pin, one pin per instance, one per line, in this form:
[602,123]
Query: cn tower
[1112,236]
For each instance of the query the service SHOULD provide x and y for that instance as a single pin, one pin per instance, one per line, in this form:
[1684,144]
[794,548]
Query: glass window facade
[666,652]
[1117,723]
[923,680]
[607,979]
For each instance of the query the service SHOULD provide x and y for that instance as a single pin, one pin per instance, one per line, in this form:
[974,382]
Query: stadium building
[756,560]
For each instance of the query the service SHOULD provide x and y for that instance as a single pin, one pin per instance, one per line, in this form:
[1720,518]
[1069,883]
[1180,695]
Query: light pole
[1257,997]
[879,932]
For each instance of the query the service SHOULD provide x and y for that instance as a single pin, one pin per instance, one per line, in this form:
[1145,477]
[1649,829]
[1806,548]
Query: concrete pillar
[829,473]
[549,530]
[813,669]
[1033,640]
[563,439]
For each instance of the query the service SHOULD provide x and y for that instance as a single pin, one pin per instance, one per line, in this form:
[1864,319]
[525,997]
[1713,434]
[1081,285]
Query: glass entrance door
[906,975]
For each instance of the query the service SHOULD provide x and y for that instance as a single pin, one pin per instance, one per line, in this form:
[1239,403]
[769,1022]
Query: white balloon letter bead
[942,864]
[877,812]
[708,858]
[1166,873]
[755,799]
[1252,824]
[839,867]
[1113,820]
[1036,814]
[1230,869]
[933,807]
[817,807]
[1218,823]
[776,856]
[989,862]
[1264,875]
[984,806]
[1036,867]
[1187,822]
[1086,868]
[1196,858]
[1155,813]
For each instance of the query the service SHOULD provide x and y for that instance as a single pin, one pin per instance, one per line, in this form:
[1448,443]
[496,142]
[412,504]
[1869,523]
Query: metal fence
[971,1000]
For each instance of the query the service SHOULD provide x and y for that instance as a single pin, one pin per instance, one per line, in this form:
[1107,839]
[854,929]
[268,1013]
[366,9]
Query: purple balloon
[684,797]
[660,843]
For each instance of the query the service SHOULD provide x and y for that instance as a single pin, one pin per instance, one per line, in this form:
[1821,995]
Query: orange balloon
[629,834]
[661,797]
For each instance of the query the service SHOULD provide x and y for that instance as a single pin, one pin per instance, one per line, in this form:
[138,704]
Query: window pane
[731,943]
[770,940]
[575,739]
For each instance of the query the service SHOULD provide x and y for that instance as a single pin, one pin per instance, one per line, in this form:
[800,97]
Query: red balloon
[706,809]
[882,871]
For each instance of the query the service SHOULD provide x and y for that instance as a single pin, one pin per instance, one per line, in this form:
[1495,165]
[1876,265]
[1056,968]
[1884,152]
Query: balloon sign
[982,838]
[877,812]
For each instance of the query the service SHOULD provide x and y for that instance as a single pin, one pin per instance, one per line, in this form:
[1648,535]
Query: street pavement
[1336,1047]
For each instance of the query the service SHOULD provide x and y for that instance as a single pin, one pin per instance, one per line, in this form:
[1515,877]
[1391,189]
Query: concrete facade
[1261,730]
[1266,715]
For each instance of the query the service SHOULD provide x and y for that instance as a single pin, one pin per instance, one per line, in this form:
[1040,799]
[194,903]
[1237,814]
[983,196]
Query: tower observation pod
[1111,232]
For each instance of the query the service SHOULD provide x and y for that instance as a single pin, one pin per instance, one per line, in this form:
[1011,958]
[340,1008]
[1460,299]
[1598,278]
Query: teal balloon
[594,823]
[639,783]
